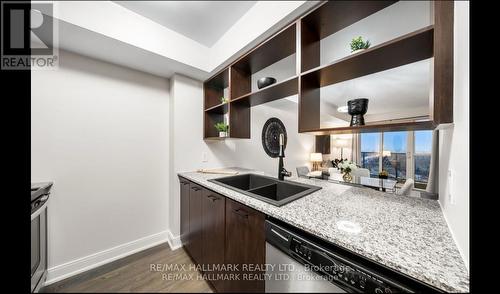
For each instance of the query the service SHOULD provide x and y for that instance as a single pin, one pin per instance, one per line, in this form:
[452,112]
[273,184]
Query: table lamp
[316,158]
[341,143]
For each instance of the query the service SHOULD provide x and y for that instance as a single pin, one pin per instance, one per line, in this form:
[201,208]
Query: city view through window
[395,153]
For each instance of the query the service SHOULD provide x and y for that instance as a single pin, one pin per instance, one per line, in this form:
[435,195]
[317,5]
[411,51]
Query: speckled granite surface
[407,234]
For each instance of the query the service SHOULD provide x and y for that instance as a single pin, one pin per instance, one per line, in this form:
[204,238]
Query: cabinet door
[213,220]
[245,244]
[195,237]
[184,199]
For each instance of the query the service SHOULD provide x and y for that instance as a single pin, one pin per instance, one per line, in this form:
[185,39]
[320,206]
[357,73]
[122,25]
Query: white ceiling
[202,21]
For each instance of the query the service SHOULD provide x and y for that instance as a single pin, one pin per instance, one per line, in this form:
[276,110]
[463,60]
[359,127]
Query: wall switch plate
[204,157]
[451,184]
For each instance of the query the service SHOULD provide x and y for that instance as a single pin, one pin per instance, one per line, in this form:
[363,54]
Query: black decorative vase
[264,82]
[357,108]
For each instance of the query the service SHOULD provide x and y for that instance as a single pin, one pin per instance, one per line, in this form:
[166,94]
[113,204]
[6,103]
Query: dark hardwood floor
[133,274]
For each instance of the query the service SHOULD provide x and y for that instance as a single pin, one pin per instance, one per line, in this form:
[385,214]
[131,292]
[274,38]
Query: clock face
[271,136]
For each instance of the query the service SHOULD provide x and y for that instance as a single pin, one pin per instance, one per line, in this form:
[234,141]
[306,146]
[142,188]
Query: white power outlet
[451,185]
[204,157]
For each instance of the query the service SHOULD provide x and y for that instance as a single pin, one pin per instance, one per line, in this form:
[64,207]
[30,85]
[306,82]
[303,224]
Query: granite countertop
[407,234]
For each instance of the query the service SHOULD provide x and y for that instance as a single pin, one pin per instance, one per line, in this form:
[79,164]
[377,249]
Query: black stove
[39,195]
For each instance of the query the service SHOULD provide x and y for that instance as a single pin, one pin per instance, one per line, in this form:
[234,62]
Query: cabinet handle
[196,188]
[184,183]
[213,197]
[237,212]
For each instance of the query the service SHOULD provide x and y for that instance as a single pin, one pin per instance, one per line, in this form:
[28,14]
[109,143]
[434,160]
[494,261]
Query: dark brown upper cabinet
[214,111]
[407,82]
[276,49]
[411,48]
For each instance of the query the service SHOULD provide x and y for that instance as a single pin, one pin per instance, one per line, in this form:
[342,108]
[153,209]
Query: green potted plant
[224,100]
[357,44]
[222,128]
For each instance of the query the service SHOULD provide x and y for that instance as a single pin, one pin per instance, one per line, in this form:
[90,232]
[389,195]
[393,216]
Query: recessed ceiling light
[342,109]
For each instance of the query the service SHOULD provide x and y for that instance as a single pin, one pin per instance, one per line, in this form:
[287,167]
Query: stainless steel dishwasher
[299,262]
[286,275]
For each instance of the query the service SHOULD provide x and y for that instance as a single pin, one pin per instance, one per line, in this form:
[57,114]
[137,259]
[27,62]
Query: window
[394,155]
[402,154]
[422,157]
[370,152]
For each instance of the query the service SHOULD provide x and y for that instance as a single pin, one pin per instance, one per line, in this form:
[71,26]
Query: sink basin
[245,182]
[265,188]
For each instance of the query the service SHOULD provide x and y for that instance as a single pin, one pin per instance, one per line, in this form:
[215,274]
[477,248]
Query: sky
[396,141]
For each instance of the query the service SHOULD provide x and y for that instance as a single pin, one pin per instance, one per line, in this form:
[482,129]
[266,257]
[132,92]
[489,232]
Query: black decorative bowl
[264,82]
[357,108]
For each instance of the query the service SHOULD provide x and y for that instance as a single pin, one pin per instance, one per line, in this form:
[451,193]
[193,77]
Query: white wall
[454,142]
[186,140]
[250,152]
[100,132]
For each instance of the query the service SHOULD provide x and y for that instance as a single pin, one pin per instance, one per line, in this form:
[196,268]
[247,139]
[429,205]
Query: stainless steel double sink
[265,188]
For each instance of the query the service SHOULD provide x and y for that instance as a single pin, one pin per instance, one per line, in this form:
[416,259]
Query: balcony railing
[395,165]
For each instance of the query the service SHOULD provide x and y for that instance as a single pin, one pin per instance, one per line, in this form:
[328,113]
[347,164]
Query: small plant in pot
[222,128]
[224,100]
[357,44]
[383,174]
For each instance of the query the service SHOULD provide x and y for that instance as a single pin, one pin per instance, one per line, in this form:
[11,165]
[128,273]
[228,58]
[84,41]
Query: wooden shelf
[328,19]
[303,37]
[273,92]
[333,16]
[214,89]
[281,45]
[220,80]
[374,128]
[403,50]
[220,108]
[215,138]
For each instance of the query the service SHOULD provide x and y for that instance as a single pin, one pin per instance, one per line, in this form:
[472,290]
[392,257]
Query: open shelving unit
[302,37]
[214,111]
[276,91]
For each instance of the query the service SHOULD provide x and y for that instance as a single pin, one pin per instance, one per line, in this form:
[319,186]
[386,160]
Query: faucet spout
[282,172]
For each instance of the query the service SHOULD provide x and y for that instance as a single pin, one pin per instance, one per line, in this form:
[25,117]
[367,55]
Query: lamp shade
[341,143]
[316,157]
[386,153]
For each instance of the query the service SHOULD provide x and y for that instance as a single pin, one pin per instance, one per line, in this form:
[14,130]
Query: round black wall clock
[271,136]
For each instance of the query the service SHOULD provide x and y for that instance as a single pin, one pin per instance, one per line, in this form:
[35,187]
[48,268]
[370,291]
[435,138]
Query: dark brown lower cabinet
[213,220]
[184,200]
[195,241]
[245,246]
[216,230]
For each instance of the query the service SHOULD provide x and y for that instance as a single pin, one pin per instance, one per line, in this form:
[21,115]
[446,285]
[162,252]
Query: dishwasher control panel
[338,269]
